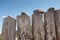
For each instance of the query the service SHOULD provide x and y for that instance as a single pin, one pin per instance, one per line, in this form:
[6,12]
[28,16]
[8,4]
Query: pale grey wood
[9,28]
[23,27]
[57,23]
[4,29]
[37,25]
[49,25]
[12,28]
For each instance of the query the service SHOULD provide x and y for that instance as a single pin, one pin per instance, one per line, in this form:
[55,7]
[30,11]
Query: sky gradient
[15,7]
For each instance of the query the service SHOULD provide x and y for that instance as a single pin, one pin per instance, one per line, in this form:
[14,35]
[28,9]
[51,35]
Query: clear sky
[15,7]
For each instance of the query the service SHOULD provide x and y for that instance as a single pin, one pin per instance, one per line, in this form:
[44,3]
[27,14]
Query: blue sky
[15,7]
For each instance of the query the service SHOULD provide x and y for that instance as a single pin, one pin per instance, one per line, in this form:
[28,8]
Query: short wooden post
[9,28]
[24,27]
[37,25]
[50,32]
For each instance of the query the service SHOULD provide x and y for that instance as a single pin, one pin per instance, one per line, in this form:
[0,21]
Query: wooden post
[50,32]
[9,28]
[37,25]
[4,29]
[24,27]
[57,23]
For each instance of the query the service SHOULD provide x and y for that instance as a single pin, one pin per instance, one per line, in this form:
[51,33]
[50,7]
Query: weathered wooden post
[9,28]
[37,25]
[57,23]
[24,27]
[50,32]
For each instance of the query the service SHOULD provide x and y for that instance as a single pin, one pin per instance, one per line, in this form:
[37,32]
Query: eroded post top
[38,11]
[51,9]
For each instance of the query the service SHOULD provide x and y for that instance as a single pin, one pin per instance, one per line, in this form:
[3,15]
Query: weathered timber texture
[50,33]
[45,26]
[37,25]
[9,28]
[24,27]
[57,23]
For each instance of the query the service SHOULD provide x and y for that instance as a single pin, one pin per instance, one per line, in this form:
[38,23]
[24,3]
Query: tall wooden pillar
[57,23]
[37,25]
[50,32]
[9,28]
[23,22]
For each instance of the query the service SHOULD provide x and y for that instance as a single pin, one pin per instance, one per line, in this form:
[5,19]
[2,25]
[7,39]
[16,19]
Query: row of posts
[45,26]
